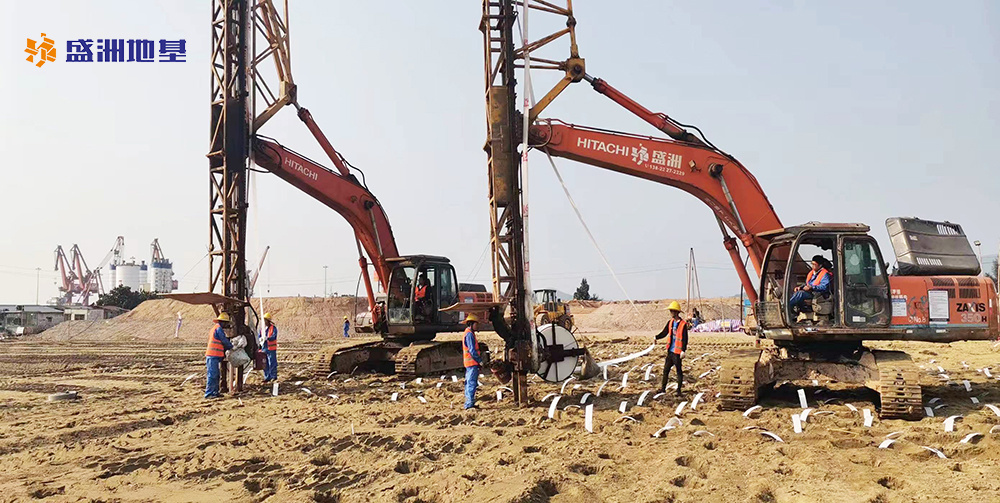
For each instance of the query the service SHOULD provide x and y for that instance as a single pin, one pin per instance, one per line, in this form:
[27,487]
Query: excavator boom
[715,178]
[343,194]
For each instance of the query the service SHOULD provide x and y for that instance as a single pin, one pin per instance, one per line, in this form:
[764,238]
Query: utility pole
[693,286]
[38,272]
[324,282]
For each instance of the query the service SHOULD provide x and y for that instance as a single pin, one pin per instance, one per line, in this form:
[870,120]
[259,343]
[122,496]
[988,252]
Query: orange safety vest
[814,279]
[215,348]
[466,355]
[272,338]
[421,292]
[676,342]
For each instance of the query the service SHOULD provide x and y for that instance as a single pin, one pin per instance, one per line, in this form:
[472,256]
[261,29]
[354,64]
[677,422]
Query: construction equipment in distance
[937,297]
[549,308]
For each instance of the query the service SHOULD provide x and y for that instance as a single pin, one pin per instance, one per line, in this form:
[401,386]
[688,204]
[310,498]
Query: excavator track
[345,358]
[406,361]
[738,379]
[435,357]
[899,386]
[426,358]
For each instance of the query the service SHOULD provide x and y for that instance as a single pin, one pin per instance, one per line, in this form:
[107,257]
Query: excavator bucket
[589,368]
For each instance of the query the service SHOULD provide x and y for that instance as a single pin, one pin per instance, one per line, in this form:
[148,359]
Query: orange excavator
[408,314]
[935,295]
[251,82]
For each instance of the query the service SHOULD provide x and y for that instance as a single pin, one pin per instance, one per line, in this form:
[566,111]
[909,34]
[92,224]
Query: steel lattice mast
[504,131]
[246,36]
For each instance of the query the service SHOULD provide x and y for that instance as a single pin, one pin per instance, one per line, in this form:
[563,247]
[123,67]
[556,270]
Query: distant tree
[123,297]
[583,292]
[991,272]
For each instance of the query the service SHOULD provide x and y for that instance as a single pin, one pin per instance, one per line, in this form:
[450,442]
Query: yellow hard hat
[345,317]
[674,306]
[267,316]
[471,317]
[223,316]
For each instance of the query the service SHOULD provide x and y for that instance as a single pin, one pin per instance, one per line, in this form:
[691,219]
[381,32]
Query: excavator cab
[419,285]
[858,293]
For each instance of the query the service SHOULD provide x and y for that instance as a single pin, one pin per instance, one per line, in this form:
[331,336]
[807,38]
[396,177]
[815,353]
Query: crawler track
[899,386]
[737,380]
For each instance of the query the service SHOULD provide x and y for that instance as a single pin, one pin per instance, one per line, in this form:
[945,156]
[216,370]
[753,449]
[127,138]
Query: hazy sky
[844,111]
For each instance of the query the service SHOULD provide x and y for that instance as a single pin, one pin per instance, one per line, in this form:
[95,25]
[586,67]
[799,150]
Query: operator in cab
[472,360]
[817,283]
[677,330]
[218,344]
[422,297]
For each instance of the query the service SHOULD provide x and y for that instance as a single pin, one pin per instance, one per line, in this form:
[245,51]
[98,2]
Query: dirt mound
[297,318]
[313,318]
[620,316]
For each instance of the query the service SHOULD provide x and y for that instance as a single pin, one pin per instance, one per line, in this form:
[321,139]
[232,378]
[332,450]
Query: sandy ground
[142,432]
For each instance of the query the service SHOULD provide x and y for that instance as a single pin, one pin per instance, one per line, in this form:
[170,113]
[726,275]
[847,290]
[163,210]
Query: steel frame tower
[504,130]
[229,151]
[238,87]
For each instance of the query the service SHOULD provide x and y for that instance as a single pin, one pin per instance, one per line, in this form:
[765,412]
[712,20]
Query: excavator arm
[712,176]
[341,193]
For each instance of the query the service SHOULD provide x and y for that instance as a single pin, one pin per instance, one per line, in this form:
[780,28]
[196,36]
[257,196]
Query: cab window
[866,287]
[400,291]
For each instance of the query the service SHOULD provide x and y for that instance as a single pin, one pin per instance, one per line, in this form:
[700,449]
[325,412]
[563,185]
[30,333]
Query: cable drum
[553,340]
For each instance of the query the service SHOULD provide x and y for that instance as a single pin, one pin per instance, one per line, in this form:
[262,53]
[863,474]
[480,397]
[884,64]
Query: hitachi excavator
[415,287]
[935,296]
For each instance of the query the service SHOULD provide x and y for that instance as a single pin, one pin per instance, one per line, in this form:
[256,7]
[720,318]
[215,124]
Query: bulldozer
[549,308]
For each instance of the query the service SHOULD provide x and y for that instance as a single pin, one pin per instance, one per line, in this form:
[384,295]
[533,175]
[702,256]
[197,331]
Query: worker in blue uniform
[817,283]
[472,360]
[218,344]
[270,346]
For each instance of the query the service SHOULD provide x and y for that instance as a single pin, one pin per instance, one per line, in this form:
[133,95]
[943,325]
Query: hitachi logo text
[301,169]
[600,146]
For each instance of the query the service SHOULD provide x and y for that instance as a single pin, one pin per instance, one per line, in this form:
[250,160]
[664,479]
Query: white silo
[128,274]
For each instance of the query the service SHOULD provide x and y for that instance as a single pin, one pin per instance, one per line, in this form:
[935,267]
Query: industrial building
[16,319]
[80,283]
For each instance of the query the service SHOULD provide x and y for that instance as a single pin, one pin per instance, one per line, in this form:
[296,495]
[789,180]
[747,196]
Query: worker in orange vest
[677,330]
[817,283]
[472,360]
[422,298]
[270,346]
[218,344]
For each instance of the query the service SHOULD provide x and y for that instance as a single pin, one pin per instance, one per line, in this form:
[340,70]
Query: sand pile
[312,318]
[652,315]
[297,318]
